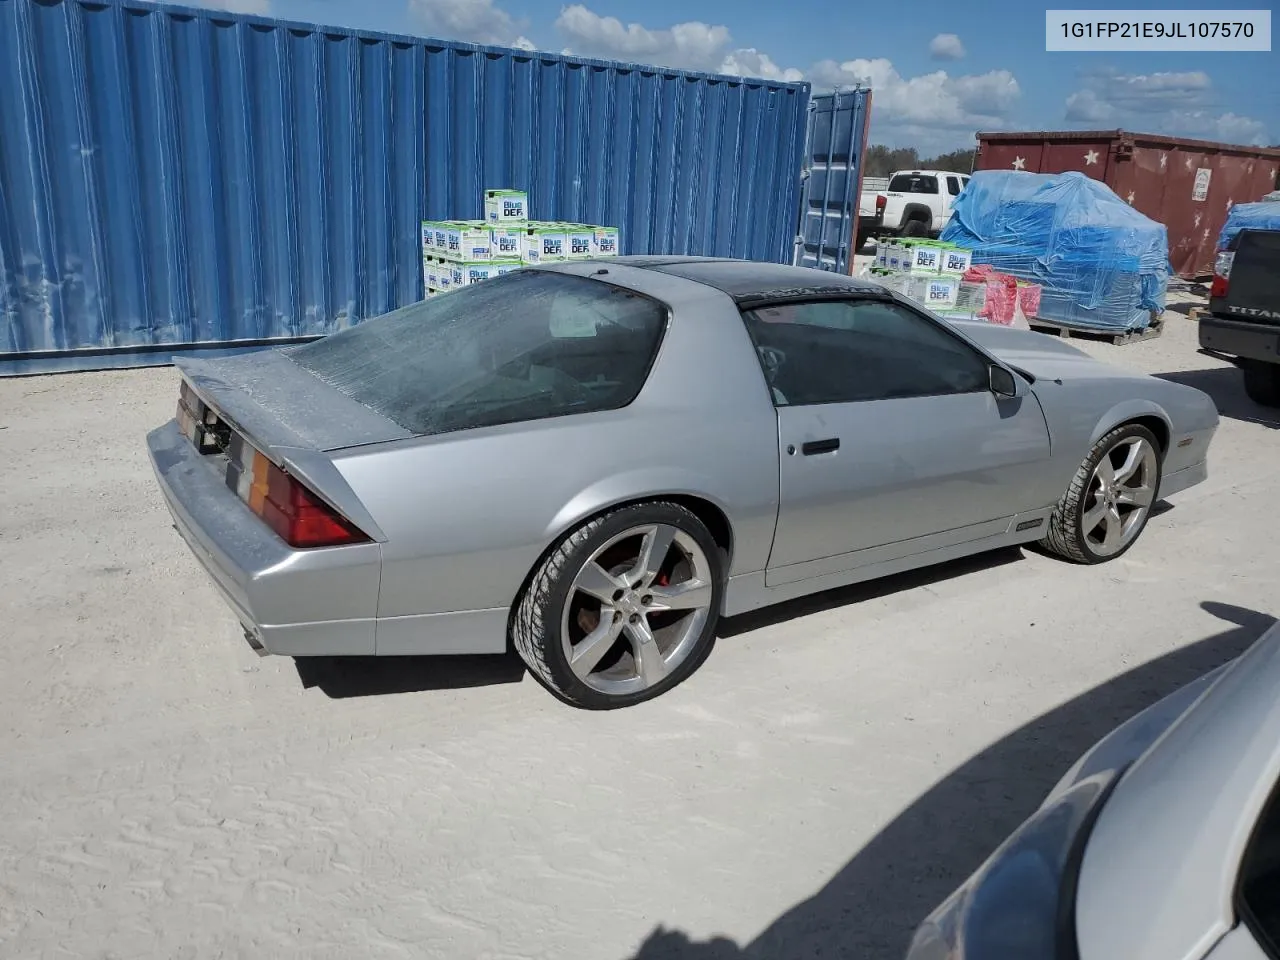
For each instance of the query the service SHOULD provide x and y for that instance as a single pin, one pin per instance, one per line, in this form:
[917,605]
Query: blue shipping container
[173,177]
[832,180]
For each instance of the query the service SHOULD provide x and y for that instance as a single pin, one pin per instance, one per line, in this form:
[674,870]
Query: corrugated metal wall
[832,179]
[172,176]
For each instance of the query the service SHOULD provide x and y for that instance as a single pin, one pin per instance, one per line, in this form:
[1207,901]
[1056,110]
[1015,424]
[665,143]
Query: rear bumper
[1236,338]
[291,602]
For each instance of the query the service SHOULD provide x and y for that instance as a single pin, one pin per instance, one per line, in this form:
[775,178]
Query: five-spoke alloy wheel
[1108,503]
[624,608]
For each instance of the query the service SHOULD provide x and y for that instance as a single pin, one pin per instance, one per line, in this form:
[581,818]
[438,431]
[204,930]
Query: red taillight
[300,518]
[881,200]
[1221,274]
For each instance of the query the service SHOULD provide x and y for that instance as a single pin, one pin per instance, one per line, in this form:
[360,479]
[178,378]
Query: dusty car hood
[1043,356]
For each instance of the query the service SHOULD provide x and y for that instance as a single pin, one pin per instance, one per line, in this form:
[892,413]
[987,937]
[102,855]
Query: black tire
[1066,536]
[1262,382]
[915,228]
[536,622]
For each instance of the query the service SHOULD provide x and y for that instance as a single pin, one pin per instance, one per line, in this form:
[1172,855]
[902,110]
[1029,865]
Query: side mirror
[1002,382]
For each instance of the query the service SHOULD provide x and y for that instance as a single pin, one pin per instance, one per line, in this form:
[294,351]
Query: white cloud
[692,45]
[946,46]
[1234,128]
[750,62]
[1175,104]
[934,111]
[472,21]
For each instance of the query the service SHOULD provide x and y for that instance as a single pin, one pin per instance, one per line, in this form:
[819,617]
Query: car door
[892,441]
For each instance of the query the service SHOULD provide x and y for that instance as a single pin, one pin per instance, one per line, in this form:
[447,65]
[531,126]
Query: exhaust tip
[254,642]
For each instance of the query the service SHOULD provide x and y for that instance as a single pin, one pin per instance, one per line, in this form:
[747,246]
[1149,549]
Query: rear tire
[1107,505]
[1262,382]
[623,608]
[914,228]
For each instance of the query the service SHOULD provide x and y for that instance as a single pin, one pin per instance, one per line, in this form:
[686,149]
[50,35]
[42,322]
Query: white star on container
[1197,220]
[1230,204]
[1190,163]
[1130,198]
[1206,234]
[1164,160]
[1019,163]
[1091,157]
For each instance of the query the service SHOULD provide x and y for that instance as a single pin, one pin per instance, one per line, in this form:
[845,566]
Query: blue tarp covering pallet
[1102,264]
[1264,215]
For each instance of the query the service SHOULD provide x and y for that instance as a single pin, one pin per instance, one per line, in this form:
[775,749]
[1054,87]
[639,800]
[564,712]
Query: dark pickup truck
[1243,321]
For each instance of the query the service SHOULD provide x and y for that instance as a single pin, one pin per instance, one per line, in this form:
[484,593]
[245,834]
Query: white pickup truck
[913,203]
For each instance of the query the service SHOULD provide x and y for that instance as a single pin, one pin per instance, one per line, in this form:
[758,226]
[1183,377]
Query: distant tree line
[880,161]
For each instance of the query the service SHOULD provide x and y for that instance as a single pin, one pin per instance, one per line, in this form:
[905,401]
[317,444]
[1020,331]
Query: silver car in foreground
[1161,843]
[594,461]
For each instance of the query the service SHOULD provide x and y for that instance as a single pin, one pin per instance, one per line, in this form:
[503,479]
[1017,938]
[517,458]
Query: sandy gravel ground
[834,768]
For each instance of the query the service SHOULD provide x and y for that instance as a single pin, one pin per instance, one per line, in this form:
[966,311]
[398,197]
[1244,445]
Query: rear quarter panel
[469,514]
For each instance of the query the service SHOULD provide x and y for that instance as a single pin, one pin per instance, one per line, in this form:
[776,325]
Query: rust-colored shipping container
[1188,185]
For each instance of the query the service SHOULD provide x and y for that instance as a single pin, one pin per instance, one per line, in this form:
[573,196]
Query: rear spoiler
[238,411]
[278,443]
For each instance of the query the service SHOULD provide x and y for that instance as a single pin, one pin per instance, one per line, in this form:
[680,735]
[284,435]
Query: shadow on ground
[869,910]
[1185,307]
[343,677]
[870,590]
[1226,386]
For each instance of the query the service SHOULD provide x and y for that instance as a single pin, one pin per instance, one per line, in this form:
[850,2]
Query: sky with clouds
[938,71]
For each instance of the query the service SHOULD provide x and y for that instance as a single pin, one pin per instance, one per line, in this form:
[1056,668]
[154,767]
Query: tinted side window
[857,350]
[913,183]
[1260,879]
[953,186]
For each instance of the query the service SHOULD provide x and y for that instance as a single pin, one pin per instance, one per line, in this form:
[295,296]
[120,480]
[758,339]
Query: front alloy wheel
[1109,501]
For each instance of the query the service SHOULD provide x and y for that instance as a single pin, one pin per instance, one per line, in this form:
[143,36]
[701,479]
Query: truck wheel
[1262,382]
[914,228]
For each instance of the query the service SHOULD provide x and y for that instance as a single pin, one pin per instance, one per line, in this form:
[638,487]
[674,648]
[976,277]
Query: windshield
[524,346]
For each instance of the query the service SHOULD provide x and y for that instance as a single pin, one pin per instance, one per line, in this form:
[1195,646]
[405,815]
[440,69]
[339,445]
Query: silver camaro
[1162,842]
[594,461]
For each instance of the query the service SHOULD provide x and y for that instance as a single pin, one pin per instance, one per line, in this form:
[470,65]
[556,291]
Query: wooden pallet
[1114,337]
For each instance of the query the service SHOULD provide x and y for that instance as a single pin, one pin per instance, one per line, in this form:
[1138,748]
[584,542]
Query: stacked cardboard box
[457,253]
[929,272]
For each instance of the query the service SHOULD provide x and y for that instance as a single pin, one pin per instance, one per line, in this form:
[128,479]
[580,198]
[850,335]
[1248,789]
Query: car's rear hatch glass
[524,346]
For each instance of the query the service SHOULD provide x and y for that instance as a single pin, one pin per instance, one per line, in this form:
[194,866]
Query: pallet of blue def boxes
[458,253]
